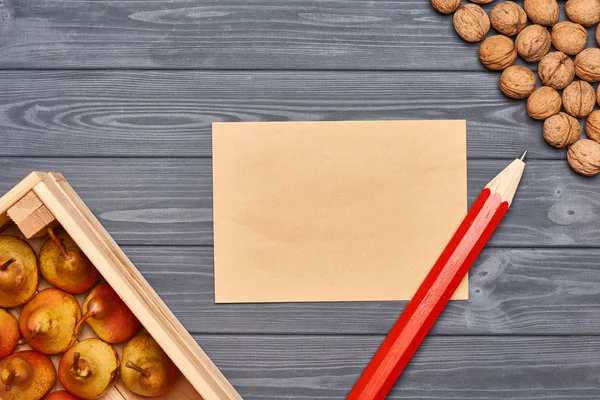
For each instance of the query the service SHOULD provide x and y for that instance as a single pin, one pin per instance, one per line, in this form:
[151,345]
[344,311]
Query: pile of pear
[50,322]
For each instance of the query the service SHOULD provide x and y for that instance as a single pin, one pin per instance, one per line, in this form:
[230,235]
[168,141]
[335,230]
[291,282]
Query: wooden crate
[46,200]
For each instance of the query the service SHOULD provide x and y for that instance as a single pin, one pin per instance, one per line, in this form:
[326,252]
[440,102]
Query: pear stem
[4,266]
[9,381]
[76,357]
[34,334]
[134,367]
[60,244]
[77,369]
[89,314]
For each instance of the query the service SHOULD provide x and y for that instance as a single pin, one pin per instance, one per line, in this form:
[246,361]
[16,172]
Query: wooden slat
[20,189]
[169,201]
[512,291]
[141,113]
[230,34]
[444,368]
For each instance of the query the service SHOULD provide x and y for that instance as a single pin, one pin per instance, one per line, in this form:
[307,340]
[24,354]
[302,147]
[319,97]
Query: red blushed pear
[88,369]
[108,315]
[48,321]
[146,369]
[64,265]
[61,395]
[19,276]
[26,375]
[9,333]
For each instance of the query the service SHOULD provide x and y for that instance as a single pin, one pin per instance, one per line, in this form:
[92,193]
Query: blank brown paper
[334,211]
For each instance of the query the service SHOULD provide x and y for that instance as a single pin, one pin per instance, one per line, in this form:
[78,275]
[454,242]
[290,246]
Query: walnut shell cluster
[565,95]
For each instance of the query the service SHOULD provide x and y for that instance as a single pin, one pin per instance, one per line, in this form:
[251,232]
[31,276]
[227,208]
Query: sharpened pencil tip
[522,158]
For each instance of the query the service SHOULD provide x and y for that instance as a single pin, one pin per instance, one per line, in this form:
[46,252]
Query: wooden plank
[230,34]
[169,201]
[512,291]
[126,280]
[19,189]
[445,368]
[142,113]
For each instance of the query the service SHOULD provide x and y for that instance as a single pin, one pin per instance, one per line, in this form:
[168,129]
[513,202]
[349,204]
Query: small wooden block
[32,216]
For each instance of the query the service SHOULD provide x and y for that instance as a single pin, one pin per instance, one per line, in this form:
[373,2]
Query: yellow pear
[64,265]
[88,369]
[19,275]
[26,375]
[146,369]
[48,321]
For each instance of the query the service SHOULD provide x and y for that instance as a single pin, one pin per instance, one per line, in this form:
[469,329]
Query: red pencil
[434,293]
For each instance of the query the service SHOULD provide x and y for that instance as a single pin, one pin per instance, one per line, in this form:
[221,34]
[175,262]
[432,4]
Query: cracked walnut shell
[569,37]
[556,70]
[445,6]
[542,12]
[583,12]
[543,103]
[471,23]
[587,65]
[579,99]
[533,43]
[517,82]
[561,130]
[508,18]
[497,52]
[584,157]
[592,126]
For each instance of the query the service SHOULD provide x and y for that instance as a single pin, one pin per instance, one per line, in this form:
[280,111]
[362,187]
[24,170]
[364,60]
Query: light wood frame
[58,198]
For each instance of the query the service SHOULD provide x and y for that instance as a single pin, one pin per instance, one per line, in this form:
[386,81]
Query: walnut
[482,1]
[544,102]
[584,157]
[579,99]
[587,65]
[598,35]
[445,6]
[592,126]
[517,82]
[556,70]
[471,22]
[508,18]
[497,52]
[583,12]
[542,12]
[533,43]
[569,37]
[561,130]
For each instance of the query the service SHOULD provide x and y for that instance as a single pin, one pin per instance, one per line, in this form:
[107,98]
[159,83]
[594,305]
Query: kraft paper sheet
[334,211]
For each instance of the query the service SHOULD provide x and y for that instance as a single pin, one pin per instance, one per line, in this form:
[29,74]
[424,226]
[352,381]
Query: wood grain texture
[512,291]
[144,113]
[231,34]
[169,201]
[444,368]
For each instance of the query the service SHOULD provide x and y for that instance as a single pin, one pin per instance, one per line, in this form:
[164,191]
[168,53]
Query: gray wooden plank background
[120,96]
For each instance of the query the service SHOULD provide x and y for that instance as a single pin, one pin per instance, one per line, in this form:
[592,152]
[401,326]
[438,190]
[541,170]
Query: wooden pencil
[434,293]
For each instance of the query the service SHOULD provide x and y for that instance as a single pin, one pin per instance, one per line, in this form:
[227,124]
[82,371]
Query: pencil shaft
[431,298]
